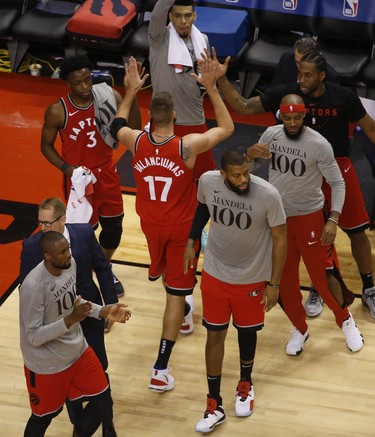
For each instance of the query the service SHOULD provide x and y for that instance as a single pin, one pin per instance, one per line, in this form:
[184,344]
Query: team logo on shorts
[34,399]
[291,5]
[350,8]
[254,293]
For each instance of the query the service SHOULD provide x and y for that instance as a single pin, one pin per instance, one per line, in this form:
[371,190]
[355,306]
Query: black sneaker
[120,291]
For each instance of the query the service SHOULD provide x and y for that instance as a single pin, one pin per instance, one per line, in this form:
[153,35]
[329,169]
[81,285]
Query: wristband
[272,285]
[333,220]
[117,124]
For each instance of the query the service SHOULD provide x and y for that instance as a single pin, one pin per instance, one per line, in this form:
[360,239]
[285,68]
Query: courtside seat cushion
[7,18]
[105,21]
[227,29]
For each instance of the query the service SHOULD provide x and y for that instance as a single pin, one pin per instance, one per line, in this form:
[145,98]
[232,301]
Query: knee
[110,235]
[358,237]
[216,338]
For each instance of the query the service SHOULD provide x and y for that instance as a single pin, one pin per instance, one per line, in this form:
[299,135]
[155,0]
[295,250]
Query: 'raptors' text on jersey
[82,143]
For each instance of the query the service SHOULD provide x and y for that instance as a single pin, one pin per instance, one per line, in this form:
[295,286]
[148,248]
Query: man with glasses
[89,257]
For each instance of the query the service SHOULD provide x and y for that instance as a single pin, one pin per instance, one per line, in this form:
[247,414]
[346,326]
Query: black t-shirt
[329,114]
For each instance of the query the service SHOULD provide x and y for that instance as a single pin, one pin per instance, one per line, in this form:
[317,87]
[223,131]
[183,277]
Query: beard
[235,189]
[294,136]
[62,266]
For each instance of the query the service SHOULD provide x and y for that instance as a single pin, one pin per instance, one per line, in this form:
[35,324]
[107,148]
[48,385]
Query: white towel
[178,53]
[79,209]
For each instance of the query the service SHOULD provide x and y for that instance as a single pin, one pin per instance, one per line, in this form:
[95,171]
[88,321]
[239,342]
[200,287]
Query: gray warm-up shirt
[183,88]
[297,168]
[239,246]
[47,345]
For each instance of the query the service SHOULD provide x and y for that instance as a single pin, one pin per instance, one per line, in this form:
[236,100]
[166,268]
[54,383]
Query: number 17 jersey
[166,189]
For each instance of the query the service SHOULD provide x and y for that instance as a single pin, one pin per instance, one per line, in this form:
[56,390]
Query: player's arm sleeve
[332,174]
[275,209]
[201,217]
[158,19]
[32,314]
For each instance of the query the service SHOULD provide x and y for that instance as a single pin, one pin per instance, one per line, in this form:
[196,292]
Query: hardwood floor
[326,391]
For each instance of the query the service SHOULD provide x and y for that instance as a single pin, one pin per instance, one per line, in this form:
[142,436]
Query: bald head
[292,103]
[48,241]
[292,99]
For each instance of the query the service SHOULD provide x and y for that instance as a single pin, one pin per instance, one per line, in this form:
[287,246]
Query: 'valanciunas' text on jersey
[82,143]
[166,190]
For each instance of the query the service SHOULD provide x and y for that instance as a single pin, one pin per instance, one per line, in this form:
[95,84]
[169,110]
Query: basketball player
[59,364]
[330,108]
[166,196]
[246,247]
[82,119]
[299,158]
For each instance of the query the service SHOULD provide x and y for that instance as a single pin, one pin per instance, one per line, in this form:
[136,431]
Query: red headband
[292,108]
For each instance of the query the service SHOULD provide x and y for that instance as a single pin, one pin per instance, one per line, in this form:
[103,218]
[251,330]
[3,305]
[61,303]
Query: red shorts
[47,393]
[166,245]
[354,217]
[222,300]
[205,161]
[107,198]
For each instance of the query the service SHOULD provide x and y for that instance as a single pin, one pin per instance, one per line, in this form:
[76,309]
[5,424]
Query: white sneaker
[187,326]
[313,304]
[190,300]
[214,415]
[368,300]
[161,380]
[354,339]
[244,399]
[296,342]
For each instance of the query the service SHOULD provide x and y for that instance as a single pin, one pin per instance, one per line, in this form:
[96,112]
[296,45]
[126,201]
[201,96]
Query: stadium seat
[10,10]
[43,24]
[104,29]
[346,33]
[280,23]
[137,44]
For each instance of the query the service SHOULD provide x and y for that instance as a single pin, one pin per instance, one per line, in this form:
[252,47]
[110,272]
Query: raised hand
[221,69]
[258,150]
[135,76]
[207,77]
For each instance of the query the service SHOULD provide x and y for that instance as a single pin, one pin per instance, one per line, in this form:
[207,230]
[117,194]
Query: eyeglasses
[48,224]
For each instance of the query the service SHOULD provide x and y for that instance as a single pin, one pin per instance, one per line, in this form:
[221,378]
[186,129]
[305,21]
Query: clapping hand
[116,312]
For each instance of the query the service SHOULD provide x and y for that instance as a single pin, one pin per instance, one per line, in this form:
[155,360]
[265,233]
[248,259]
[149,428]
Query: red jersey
[82,143]
[166,189]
